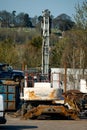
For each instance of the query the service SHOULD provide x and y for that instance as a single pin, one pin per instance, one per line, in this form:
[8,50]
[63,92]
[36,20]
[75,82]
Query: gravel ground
[18,124]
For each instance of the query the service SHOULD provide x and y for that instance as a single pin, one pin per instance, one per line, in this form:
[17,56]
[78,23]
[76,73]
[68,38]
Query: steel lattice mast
[45,43]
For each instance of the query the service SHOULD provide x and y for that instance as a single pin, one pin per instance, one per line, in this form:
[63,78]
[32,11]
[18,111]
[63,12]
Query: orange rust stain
[32,95]
[52,94]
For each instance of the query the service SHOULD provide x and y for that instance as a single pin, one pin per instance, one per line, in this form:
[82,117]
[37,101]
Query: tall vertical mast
[45,43]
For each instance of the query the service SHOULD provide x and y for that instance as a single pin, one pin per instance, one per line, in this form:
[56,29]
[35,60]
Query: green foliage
[20,45]
[32,55]
[75,51]
[70,49]
[37,42]
[63,22]
[8,52]
[27,22]
[57,52]
[81,15]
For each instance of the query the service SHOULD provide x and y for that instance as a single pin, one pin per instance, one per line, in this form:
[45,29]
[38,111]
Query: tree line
[12,20]
[7,19]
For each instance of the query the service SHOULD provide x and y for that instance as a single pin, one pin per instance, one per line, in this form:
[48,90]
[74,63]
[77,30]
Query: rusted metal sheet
[74,98]
[8,82]
[41,91]
[36,111]
[11,96]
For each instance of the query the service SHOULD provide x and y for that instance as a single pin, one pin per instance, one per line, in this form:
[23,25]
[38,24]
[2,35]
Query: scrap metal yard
[44,98]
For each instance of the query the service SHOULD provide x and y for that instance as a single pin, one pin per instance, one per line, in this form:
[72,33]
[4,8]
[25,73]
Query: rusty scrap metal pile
[75,105]
[77,101]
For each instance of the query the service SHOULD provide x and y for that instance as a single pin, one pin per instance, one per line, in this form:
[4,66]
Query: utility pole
[45,26]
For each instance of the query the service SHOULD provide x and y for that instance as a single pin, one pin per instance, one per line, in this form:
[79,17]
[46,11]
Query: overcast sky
[35,7]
